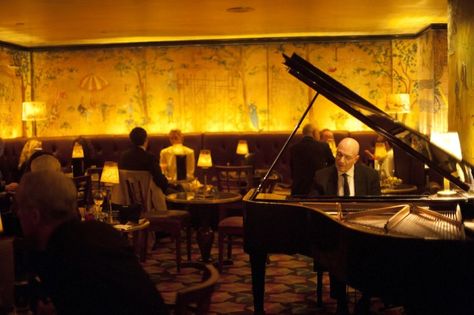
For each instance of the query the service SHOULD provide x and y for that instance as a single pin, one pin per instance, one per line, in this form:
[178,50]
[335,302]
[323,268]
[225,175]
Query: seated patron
[177,161]
[325,135]
[384,162]
[306,157]
[31,149]
[346,178]
[84,267]
[137,158]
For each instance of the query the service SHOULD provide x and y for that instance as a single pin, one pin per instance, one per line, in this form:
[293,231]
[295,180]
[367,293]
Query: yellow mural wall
[199,88]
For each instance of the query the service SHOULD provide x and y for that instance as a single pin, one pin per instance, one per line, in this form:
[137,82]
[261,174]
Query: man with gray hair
[84,267]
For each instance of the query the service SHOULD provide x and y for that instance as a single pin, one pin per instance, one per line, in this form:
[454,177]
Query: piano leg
[257,265]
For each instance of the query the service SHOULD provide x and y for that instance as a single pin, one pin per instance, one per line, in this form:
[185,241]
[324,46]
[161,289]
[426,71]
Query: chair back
[236,179]
[84,190]
[196,298]
[138,187]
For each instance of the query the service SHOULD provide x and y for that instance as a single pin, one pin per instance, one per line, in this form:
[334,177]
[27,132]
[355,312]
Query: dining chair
[138,187]
[233,226]
[196,298]
[234,178]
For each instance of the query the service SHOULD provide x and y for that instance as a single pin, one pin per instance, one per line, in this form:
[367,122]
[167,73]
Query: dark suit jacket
[89,268]
[307,156]
[366,181]
[137,159]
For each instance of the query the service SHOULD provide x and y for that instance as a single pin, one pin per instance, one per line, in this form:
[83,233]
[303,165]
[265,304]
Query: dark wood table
[203,209]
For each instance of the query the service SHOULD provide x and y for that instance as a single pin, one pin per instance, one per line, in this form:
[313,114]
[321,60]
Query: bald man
[85,267]
[347,178]
[361,179]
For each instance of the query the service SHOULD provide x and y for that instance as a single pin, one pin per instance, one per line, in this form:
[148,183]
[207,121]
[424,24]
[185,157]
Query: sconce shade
[448,141]
[205,159]
[33,111]
[242,147]
[77,151]
[110,173]
[398,103]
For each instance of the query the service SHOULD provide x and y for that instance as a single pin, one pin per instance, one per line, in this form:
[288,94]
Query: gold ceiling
[36,23]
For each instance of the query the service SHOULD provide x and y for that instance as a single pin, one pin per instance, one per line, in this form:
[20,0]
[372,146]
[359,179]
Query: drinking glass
[98,197]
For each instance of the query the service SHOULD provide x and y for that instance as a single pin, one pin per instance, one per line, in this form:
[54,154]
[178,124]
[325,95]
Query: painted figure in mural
[346,178]
[170,109]
[306,157]
[71,255]
[254,115]
[177,161]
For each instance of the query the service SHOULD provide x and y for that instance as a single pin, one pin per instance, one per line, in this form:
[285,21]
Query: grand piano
[414,250]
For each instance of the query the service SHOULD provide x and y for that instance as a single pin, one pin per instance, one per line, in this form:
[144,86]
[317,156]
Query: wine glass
[98,197]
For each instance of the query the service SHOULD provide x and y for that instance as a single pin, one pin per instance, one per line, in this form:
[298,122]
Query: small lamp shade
[77,151]
[448,141]
[205,159]
[110,173]
[398,103]
[33,111]
[380,151]
[242,147]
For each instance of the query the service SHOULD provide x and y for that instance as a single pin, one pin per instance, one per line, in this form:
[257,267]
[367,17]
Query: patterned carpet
[290,286]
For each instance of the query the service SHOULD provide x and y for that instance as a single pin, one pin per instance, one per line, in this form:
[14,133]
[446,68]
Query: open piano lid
[412,141]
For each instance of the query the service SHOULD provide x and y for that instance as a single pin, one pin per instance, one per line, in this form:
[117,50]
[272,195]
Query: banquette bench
[264,145]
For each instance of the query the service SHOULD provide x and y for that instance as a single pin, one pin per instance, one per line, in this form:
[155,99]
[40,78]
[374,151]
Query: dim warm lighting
[110,173]
[77,151]
[242,147]
[380,151]
[449,142]
[33,111]
[205,159]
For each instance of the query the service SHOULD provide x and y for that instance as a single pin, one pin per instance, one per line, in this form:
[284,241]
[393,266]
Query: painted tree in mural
[235,59]
[134,61]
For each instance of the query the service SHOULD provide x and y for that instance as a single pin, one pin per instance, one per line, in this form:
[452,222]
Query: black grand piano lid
[415,143]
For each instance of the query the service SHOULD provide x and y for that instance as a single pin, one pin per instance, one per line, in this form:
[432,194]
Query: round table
[139,236]
[203,208]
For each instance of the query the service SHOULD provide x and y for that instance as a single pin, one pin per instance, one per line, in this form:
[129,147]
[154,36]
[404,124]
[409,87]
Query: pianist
[346,178]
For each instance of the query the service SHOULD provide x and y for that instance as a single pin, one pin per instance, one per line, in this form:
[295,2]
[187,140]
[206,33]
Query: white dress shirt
[168,161]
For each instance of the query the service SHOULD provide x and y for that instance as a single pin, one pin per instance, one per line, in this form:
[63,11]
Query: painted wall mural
[201,88]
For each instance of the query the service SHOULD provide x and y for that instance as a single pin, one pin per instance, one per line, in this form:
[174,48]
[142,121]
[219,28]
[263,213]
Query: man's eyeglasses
[340,155]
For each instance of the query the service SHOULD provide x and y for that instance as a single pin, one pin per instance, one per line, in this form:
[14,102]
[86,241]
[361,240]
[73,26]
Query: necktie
[346,185]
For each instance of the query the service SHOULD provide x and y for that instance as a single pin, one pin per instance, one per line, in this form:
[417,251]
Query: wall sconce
[33,111]
[109,177]
[205,162]
[449,142]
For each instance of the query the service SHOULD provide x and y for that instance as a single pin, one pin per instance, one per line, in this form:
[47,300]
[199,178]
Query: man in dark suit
[138,159]
[306,157]
[347,178]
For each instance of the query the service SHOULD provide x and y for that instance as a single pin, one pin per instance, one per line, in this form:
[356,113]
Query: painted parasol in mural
[93,83]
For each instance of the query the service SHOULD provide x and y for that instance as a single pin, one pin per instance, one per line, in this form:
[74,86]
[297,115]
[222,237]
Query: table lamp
[449,142]
[109,177]
[77,160]
[380,153]
[242,150]
[33,111]
[205,162]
